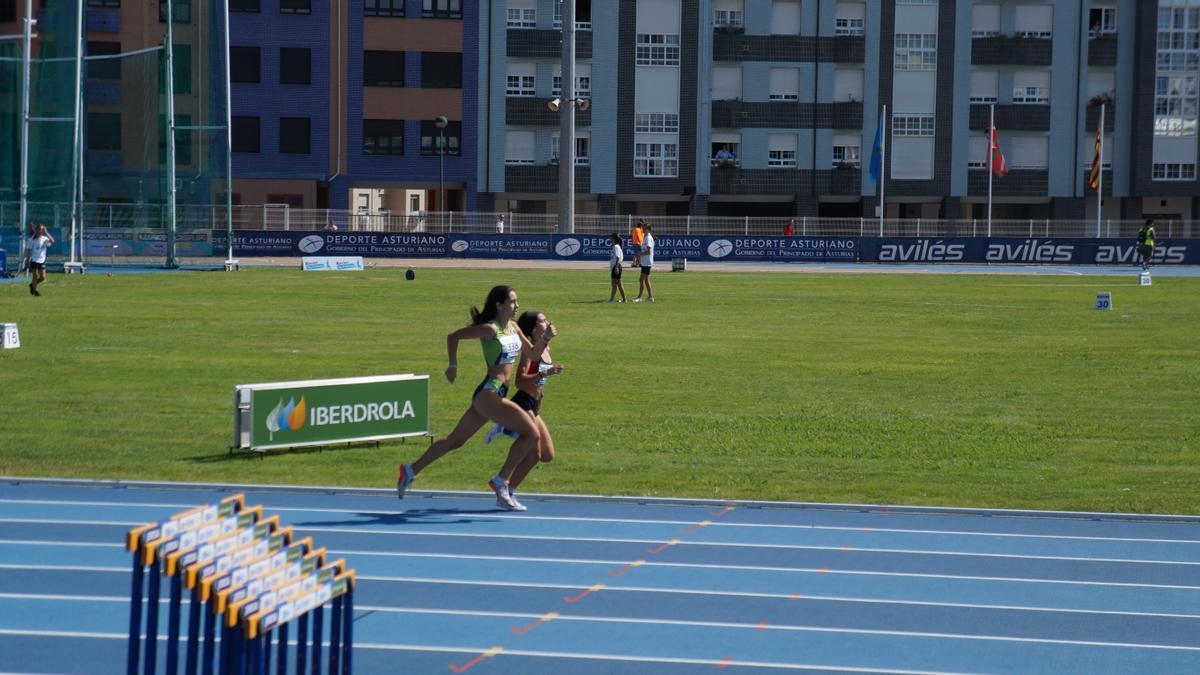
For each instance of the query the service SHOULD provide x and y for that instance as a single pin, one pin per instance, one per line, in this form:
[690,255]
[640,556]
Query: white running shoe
[637,299]
[405,480]
[517,506]
[503,496]
[494,433]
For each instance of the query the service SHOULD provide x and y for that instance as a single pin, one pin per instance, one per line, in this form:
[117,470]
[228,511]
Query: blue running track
[449,583]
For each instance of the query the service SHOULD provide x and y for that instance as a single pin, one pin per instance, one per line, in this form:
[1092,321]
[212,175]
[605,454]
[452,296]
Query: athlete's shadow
[412,517]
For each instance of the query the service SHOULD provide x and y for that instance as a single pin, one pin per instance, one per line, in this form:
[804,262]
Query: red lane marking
[846,549]
[542,619]
[584,594]
[725,662]
[795,596]
[475,661]
[868,529]
[723,511]
[822,570]
[626,568]
[762,625]
[660,549]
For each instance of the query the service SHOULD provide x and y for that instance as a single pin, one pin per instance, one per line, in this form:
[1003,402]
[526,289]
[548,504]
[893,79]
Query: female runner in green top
[502,342]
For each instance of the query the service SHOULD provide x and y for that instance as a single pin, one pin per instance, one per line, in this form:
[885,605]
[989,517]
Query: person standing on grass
[531,377]
[39,245]
[635,241]
[647,266]
[614,268]
[502,342]
[1145,243]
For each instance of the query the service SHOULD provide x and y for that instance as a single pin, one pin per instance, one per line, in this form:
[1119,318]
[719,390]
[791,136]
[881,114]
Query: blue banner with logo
[697,248]
[1029,251]
[366,244]
[518,246]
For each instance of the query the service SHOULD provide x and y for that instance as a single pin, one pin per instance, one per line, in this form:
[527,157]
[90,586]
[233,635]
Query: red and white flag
[999,166]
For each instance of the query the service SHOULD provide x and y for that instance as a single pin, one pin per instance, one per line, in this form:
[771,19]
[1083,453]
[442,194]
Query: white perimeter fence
[284,218]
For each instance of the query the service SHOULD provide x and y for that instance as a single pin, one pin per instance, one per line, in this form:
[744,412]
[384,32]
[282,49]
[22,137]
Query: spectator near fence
[1145,243]
[789,228]
[500,224]
[636,239]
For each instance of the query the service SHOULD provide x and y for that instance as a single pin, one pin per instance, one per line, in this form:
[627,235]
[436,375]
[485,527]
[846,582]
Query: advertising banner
[1030,251]
[320,412]
[313,263]
[366,244]
[697,248]
[123,242]
[3,262]
[516,246]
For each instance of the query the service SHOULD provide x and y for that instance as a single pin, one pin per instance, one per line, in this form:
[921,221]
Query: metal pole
[991,132]
[228,144]
[169,48]
[442,178]
[77,138]
[882,166]
[26,56]
[1100,171]
[566,116]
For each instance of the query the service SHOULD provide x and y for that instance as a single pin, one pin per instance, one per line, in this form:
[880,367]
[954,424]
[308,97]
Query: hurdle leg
[335,635]
[348,632]
[152,619]
[174,609]
[193,643]
[267,643]
[317,631]
[301,643]
[281,667]
[135,614]
[210,642]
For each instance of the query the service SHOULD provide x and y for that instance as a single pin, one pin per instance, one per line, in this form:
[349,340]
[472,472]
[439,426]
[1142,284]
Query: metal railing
[280,217]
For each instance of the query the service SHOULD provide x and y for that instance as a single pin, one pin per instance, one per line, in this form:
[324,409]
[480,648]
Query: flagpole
[882,165]
[1100,170]
[991,132]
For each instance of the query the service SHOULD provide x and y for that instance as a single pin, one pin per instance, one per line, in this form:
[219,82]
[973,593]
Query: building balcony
[781,48]
[543,178]
[532,111]
[545,44]
[1011,117]
[1011,50]
[738,181]
[1092,118]
[786,115]
[1017,183]
[842,180]
[1102,50]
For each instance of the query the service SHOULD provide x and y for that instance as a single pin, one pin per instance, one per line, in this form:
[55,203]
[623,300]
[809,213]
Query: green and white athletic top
[504,348]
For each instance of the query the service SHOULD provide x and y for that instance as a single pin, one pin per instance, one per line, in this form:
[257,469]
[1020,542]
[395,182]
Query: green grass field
[991,391]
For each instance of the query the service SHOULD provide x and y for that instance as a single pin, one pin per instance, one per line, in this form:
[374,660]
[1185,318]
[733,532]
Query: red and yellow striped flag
[1094,176]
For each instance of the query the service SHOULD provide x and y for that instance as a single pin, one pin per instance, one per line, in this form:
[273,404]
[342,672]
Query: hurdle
[248,580]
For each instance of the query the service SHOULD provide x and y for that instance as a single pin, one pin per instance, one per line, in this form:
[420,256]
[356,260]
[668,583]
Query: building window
[785,84]
[522,17]
[1175,105]
[583,145]
[725,150]
[1173,172]
[520,85]
[383,7]
[916,51]
[729,18]
[383,137]
[1102,21]
[1031,95]
[655,160]
[583,86]
[103,69]
[781,151]
[383,69]
[244,64]
[583,14]
[848,27]
[245,135]
[244,6]
[91,3]
[183,140]
[183,68]
[295,65]
[442,9]
[181,11]
[657,50]
[430,136]
[295,135]
[656,123]
[844,155]
[519,147]
[104,131]
[295,6]
[8,11]
[441,70]
[912,125]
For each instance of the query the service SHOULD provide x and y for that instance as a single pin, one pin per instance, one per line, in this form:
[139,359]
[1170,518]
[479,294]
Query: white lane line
[79,544]
[670,622]
[638,521]
[579,656]
[723,593]
[501,515]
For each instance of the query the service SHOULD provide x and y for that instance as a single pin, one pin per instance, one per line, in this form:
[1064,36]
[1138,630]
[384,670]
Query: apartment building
[770,107]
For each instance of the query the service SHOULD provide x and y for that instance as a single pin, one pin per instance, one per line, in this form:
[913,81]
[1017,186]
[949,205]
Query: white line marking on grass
[774,626]
[647,521]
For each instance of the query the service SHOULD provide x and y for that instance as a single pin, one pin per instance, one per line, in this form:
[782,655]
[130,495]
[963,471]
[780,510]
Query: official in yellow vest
[1145,243]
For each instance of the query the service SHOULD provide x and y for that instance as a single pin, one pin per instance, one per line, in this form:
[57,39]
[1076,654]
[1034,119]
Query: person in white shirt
[614,266]
[647,265]
[500,224]
[39,245]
